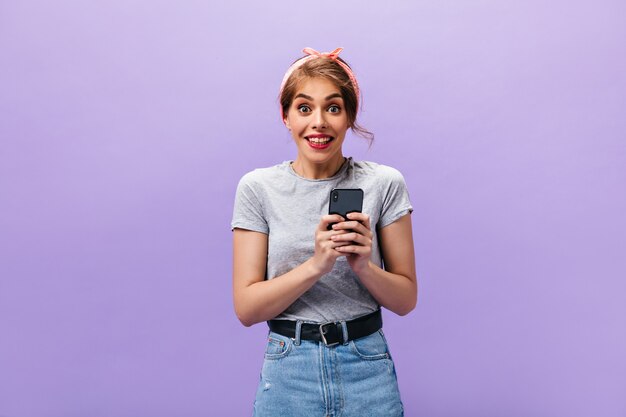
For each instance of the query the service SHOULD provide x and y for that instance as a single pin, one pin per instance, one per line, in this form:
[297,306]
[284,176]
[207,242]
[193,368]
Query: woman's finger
[355,249]
[328,220]
[354,226]
[352,237]
[362,218]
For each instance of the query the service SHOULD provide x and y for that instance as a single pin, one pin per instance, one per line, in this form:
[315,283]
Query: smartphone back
[345,200]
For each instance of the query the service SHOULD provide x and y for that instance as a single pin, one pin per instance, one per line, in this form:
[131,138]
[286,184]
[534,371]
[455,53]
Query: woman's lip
[318,136]
[320,146]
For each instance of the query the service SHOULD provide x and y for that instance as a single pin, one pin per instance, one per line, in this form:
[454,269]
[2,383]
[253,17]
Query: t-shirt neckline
[342,170]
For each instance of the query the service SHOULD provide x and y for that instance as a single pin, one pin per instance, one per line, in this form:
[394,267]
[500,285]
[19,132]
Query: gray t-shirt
[288,208]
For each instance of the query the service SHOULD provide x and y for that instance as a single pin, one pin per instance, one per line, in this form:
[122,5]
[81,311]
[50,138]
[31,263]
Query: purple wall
[125,126]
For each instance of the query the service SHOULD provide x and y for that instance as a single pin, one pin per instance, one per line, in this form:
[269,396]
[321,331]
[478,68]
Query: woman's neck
[317,171]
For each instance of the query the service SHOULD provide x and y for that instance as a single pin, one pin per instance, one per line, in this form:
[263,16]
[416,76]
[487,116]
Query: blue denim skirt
[307,378]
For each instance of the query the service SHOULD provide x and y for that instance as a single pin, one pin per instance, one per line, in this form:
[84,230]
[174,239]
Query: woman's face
[317,120]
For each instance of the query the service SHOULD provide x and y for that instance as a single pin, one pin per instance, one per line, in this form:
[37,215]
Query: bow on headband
[313,54]
[332,55]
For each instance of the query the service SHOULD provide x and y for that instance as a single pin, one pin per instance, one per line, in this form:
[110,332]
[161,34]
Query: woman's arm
[258,300]
[395,287]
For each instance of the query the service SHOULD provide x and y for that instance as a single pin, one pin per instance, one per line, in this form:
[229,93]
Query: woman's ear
[286,122]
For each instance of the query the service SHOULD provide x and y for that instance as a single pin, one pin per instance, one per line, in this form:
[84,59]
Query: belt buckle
[323,333]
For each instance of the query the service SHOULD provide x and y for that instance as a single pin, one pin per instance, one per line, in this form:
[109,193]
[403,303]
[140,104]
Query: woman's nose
[319,120]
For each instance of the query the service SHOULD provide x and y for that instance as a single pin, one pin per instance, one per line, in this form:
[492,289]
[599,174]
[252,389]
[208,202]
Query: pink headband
[312,54]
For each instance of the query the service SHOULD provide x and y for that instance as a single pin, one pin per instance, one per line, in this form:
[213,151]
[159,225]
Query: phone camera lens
[335,196]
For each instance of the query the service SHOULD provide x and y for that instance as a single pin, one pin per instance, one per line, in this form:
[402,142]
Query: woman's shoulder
[266,174]
[380,171]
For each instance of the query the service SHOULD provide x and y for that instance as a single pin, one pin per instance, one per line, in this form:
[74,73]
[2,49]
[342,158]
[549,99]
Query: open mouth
[319,142]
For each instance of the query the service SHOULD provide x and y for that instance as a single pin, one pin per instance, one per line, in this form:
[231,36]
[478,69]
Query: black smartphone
[345,200]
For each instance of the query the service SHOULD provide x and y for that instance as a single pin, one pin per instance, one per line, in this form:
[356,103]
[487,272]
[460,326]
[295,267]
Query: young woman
[319,280]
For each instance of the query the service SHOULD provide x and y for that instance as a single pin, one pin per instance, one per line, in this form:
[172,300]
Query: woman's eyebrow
[311,98]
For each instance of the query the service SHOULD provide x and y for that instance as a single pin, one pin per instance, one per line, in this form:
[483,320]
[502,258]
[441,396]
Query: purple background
[125,126]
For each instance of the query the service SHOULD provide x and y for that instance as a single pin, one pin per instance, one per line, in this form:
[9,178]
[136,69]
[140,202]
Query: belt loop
[344,328]
[298,332]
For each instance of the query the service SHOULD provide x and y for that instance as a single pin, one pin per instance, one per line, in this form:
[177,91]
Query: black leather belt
[330,333]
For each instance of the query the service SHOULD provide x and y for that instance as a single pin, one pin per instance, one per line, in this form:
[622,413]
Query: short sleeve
[248,210]
[396,201]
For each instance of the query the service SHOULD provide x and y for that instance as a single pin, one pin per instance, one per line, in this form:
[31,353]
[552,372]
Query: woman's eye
[334,109]
[303,108]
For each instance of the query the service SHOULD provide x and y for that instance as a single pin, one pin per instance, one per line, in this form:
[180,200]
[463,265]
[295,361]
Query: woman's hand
[355,240]
[325,247]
